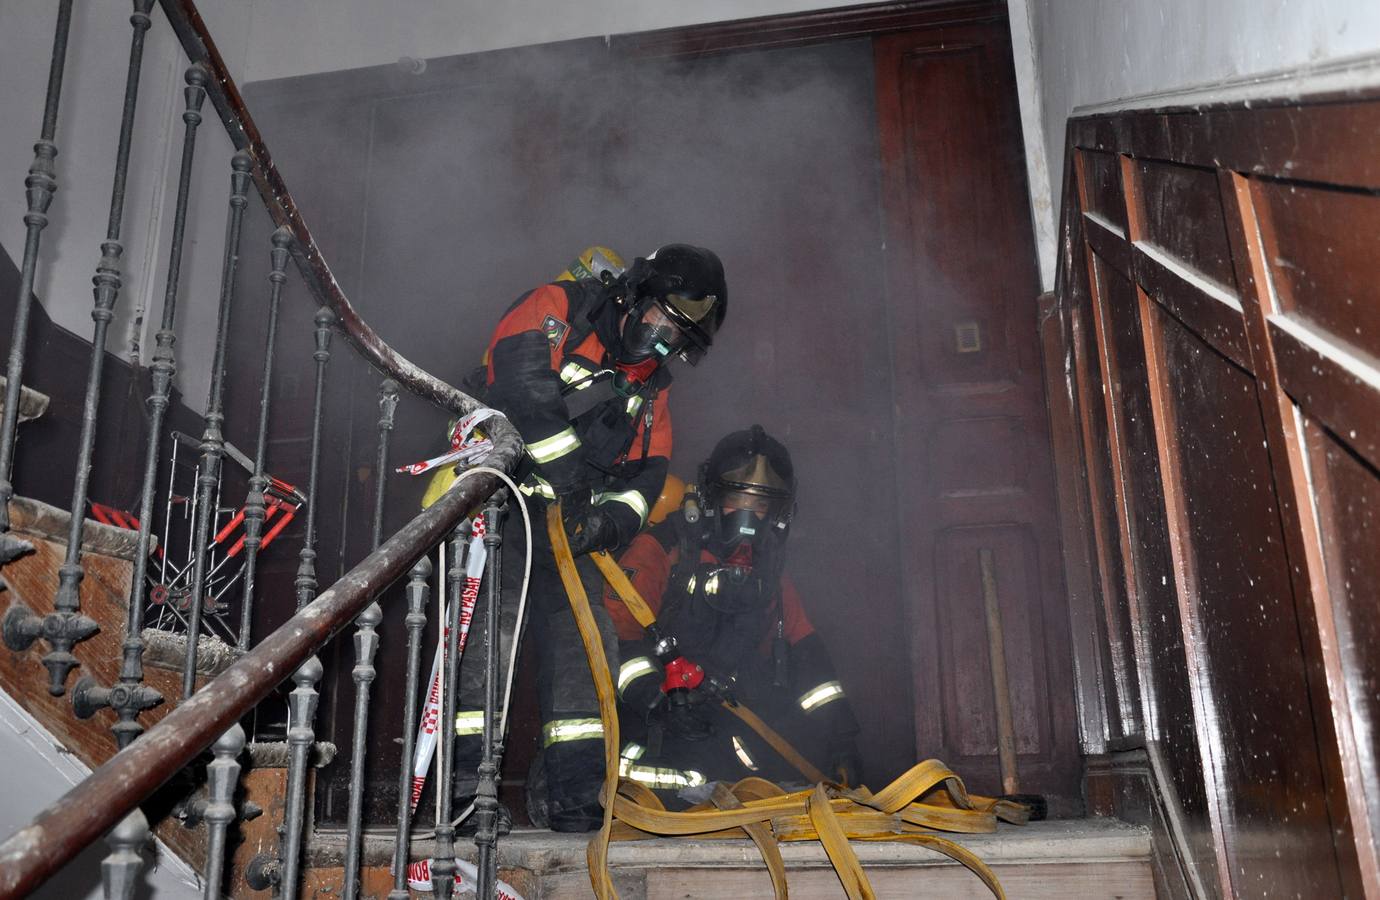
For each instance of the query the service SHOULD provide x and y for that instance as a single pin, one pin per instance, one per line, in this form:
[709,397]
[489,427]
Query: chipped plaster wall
[1083,53]
[37,772]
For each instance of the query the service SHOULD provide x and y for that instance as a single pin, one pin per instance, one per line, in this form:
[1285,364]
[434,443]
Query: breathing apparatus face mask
[649,334]
[747,526]
[746,531]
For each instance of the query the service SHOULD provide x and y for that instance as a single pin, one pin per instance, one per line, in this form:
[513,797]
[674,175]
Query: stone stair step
[1085,858]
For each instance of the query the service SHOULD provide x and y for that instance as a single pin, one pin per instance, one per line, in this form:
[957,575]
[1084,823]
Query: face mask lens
[760,507]
[652,335]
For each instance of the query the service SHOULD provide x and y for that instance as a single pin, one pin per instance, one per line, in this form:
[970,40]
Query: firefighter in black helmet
[579,367]
[713,575]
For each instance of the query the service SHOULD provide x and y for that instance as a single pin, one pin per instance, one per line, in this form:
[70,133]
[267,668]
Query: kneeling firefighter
[712,575]
[579,368]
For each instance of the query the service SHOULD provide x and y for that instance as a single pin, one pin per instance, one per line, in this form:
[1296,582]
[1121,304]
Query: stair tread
[1059,841]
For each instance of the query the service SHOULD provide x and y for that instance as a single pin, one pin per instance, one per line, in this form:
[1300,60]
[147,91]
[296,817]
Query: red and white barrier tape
[427,731]
[466,880]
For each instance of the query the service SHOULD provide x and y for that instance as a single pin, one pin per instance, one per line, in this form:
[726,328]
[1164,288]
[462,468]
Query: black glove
[720,688]
[845,763]
[687,720]
[591,530]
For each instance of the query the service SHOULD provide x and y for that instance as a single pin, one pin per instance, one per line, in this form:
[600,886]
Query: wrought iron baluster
[213,437]
[39,189]
[120,869]
[305,582]
[254,502]
[418,589]
[222,775]
[282,873]
[486,794]
[131,696]
[366,645]
[65,627]
[443,863]
[301,736]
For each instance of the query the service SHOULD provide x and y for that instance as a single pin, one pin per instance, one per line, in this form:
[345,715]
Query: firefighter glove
[688,722]
[590,530]
[845,763]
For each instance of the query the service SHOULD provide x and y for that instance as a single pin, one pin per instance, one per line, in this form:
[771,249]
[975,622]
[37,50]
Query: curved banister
[83,814]
[225,95]
[31,855]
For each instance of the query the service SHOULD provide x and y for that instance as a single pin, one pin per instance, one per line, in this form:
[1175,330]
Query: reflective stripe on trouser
[740,750]
[559,731]
[660,778]
[469,721]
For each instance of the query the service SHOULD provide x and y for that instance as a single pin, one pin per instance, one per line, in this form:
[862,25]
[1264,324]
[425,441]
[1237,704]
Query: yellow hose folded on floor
[929,797]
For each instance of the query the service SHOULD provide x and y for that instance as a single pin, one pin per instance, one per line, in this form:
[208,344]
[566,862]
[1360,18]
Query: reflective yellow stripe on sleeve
[537,485]
[576,374]
[632,670]
[633,499]
[559,730]
[554,447]
[818,696]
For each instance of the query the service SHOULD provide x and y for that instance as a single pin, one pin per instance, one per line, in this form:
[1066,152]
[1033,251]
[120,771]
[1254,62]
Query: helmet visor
[695,317]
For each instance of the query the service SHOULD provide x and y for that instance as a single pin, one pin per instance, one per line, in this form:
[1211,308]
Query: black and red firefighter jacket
[766,648]
[549,371]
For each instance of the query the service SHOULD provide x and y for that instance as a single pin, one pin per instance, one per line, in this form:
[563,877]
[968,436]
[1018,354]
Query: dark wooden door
[971,427]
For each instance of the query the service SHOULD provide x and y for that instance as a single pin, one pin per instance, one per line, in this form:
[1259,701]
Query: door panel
[969,405]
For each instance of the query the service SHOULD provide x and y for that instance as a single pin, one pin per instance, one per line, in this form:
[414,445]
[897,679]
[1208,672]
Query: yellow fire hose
[929,797]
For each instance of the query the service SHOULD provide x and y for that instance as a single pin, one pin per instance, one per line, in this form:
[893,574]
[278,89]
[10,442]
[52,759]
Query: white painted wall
[37,772]
[87,133]
[296,37]
[1094,52]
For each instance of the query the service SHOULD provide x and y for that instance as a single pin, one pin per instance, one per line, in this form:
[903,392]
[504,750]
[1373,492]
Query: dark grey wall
[440,199]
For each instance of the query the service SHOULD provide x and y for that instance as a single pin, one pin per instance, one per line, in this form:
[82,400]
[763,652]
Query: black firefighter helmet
[748,487]
[675,299]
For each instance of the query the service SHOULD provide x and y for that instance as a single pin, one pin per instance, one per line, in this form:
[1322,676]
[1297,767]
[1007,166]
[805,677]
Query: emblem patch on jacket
[554,329]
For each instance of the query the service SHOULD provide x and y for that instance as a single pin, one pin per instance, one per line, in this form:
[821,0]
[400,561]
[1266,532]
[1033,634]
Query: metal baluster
[222,775]
[213,437]
[120,869]
[306,568]
[131,696]
[39,189]
[282,873]
[486,794]
[443,864]
[418,589]
[254,503]
[366,645]
[66,626]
